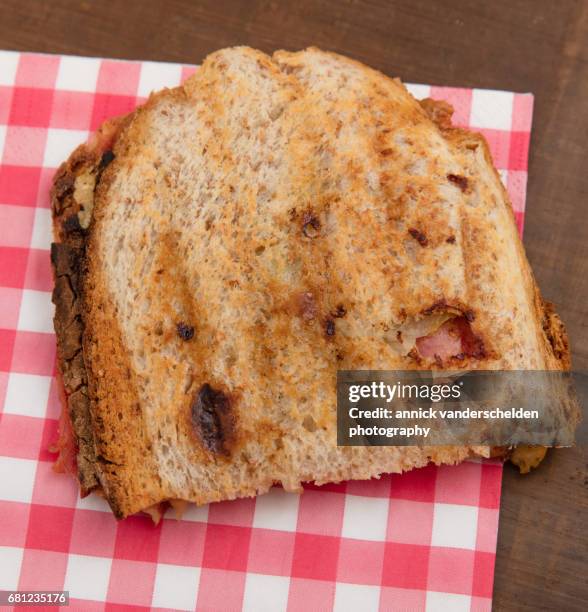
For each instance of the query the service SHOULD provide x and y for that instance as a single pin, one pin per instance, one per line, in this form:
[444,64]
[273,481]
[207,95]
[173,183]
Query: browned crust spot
[212,419]
[330,328]
[185,331]
[339,312]
[311,225]
[419,236]
[459,181]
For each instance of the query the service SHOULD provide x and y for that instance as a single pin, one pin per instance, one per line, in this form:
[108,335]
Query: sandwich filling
[452,340]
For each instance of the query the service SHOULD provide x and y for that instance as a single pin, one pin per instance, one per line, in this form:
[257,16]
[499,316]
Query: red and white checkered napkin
[423,540]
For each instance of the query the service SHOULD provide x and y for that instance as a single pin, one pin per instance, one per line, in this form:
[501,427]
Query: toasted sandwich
[221,252]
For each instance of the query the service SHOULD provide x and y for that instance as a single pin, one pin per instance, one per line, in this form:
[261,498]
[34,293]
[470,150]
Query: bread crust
[69,265]
[118,447]
[67,260]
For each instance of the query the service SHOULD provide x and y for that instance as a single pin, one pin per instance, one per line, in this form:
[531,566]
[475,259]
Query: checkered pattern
[421,541]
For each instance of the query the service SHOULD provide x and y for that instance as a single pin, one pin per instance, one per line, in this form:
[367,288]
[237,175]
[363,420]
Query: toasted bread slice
[226,248]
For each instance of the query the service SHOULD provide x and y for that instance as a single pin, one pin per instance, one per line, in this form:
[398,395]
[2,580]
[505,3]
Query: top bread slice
[225,249]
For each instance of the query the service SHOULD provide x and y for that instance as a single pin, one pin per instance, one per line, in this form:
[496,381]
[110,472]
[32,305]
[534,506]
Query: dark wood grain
[537,46]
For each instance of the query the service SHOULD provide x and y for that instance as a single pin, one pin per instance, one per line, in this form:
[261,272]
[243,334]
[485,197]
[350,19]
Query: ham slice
[454,338]
[65,445]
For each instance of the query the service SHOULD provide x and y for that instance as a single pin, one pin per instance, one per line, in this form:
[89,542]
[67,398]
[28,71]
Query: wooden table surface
[521,45]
